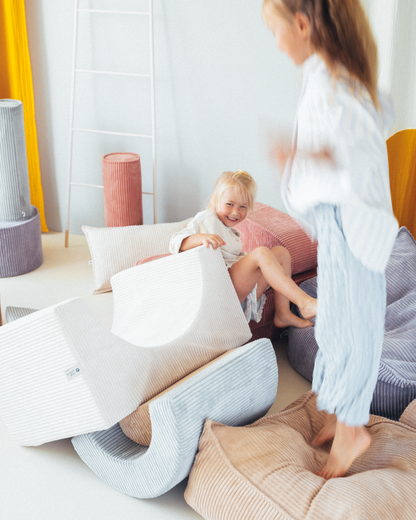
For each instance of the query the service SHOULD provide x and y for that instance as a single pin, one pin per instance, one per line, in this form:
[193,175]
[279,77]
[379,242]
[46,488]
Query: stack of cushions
[236,388]
[118,248]
[20,234]
[266,470]
[396,385]
[78,377]
[269,227]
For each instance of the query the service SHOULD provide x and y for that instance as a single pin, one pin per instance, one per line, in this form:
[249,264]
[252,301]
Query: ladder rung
[86,185]
[146,13]
[111,133]
[116,73]
[101,187]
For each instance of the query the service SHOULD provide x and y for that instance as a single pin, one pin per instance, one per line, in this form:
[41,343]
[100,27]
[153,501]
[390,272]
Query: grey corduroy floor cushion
[396,385]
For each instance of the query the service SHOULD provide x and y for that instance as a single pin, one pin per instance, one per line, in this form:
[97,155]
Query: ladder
[72,129]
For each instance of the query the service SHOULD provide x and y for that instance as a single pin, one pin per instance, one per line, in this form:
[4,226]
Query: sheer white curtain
[394,26]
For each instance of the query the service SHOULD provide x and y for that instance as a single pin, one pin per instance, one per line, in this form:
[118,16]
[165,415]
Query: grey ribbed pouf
[14,176]
[20,246]
[236,390]
[396,385]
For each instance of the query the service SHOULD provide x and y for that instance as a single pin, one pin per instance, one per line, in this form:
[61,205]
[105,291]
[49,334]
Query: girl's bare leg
[328,431]
[349,443]
[283,316]
[262,267]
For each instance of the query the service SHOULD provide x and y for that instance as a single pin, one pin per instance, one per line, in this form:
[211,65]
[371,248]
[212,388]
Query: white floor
[51,482]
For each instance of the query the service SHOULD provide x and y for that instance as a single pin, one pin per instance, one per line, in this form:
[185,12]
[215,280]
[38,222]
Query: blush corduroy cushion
[267,226]
[118,248]
[396,385]
[266,470]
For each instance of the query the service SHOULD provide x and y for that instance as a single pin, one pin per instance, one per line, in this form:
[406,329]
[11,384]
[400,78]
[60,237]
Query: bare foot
[291,320]
[308,309]
[328,431]
[349,443]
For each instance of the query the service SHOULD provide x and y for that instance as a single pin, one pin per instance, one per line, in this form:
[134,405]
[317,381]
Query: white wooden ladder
[72,129]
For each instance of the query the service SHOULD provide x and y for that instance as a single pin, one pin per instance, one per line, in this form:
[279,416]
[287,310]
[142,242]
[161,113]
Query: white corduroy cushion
[64,374]
[187,298]
[114,249]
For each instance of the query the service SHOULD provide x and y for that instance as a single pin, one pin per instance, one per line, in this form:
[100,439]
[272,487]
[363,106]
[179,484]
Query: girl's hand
[280,151]
[213,240]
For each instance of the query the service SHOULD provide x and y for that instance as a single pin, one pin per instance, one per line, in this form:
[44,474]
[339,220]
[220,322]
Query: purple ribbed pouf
[122,181]
[20,246]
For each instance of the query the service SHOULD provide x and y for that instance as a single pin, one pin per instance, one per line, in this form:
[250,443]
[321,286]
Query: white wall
[221,87]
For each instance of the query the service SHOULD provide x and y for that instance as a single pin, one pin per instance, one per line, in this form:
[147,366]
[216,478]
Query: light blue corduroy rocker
[237,389]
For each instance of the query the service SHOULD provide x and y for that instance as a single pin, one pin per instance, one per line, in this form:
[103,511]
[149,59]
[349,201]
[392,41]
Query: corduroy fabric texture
[235,389]
[20,246]
[122,183]
[396,385]
[266,470]
[199,308]
[115,249]
[14,178]
[65,375]
[267,226]
[15,313]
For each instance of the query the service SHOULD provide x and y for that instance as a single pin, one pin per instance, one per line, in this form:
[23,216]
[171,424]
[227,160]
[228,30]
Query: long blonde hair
[240,180]
[340,34]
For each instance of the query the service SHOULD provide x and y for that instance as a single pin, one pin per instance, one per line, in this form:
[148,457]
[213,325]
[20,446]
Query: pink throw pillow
[267,226]
[151,258]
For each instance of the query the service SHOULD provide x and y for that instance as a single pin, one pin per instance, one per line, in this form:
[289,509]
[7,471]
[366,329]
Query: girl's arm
[201,239]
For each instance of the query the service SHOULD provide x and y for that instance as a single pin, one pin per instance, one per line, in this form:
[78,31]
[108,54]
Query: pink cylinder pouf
[122,181]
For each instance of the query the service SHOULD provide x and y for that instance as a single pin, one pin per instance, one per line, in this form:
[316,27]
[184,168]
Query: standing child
[251,274]
[336,183]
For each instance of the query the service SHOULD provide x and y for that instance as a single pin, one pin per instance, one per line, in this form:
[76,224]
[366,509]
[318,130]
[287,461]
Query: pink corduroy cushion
[122,183]
[267,226]
[151,258]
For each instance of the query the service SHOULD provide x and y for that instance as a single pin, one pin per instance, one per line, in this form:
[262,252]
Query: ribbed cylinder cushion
[122,181]
[20,246]
[14,176]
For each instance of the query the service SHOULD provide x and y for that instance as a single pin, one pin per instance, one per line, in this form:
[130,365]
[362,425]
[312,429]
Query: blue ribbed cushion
[396,385]
[235,390]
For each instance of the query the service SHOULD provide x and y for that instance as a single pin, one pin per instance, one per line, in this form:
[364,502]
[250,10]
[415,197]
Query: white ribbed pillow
[114,249]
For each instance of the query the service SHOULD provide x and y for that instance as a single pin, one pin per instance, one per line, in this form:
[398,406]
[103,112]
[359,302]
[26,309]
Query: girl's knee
[281,252]
[261,252]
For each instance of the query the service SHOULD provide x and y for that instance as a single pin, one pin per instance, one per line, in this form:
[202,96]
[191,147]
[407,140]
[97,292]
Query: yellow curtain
[401,148]
[16,83]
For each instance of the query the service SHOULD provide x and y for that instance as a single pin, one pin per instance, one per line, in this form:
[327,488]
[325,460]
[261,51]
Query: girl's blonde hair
[340,34]
[240,180]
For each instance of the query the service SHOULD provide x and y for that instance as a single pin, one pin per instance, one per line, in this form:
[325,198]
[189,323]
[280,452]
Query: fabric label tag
[73,372]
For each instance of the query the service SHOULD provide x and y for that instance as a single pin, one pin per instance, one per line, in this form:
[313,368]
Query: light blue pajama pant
[349,326]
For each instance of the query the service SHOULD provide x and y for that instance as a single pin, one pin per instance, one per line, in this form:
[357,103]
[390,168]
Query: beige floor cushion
[266,470]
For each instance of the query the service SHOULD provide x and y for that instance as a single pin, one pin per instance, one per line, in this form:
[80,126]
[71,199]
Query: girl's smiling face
[292,37]
[232,207]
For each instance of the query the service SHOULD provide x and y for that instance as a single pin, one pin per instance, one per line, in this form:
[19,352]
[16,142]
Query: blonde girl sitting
[252,273]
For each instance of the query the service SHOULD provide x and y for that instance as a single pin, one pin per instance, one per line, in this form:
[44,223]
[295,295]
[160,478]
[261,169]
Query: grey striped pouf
[236,390]
[20,246]
[396,385]
[14,176]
